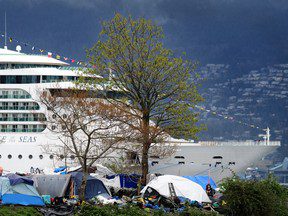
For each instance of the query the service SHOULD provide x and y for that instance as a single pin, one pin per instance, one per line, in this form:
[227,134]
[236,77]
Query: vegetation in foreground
[257,198]
[136,211]
[18,211]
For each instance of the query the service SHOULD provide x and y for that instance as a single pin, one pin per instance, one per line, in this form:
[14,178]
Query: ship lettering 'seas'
[27,139]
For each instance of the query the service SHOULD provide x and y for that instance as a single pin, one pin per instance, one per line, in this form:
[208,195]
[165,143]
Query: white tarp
[115,182]
[183,187]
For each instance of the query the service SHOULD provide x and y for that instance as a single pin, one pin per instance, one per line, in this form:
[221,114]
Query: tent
[94,186]
[202,181]
[53,185]
[183,188]
[20,192]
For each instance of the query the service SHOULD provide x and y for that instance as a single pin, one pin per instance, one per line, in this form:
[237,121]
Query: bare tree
[84,126]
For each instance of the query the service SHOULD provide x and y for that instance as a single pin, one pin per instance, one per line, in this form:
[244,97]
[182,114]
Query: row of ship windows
[18,66]
[72,157]
[19,106]
[22,117]
[14,93]
[25,79]
[22,128]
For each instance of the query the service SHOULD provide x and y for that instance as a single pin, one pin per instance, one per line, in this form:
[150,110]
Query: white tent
[183,187]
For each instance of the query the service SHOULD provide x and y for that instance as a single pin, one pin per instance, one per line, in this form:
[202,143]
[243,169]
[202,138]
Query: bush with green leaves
[253,198]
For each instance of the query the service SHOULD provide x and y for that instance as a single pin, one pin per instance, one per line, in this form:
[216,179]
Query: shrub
[265,198]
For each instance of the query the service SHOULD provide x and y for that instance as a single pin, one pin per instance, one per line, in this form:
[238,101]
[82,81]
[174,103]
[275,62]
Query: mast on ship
[266,136]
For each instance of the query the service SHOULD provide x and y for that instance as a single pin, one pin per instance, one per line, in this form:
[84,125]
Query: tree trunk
[144,163]
[145,150]
[83,184]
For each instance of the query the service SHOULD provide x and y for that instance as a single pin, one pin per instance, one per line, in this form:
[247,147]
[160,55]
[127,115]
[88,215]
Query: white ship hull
[198,160]
[24,153]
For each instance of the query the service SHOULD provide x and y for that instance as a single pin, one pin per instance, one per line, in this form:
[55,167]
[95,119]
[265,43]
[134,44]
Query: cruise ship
[23,131]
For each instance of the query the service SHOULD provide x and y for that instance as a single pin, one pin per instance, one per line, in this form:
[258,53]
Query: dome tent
[94,186]
[183,187]
[19,190]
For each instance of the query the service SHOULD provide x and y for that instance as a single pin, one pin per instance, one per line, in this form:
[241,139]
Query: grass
[18,211]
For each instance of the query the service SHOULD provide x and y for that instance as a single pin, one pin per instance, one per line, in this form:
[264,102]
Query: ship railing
[70,68]
[240,143]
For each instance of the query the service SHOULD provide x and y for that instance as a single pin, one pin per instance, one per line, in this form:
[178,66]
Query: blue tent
[19,193]
[94,186]
[202,180]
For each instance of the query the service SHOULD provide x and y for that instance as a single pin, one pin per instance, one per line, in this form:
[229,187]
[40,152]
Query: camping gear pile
[59,192]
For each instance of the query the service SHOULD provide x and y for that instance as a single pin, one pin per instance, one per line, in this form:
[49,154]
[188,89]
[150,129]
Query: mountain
[239,107]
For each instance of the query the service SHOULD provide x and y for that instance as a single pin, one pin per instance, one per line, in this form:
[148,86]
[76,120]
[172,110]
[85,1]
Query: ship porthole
[61,157]
[30,156]
[20,156]
[54,116]
[72,157]
[53,127]
[41,157]
[9,156]
[51,157]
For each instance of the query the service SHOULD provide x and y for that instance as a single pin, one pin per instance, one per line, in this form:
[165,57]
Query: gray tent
[53,185]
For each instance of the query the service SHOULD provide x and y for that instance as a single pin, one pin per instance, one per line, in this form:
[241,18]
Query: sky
[209,31]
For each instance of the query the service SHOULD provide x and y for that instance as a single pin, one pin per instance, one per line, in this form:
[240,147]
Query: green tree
[159,87]
[263,198]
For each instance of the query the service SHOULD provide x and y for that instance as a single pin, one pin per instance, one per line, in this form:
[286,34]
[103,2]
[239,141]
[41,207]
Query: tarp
[22,199]
[100,170]
[53,185]
[126,181]
[203,181]
[16,179]
[60,169]
[94,186]
[19,194]
[183,187]
[115,182]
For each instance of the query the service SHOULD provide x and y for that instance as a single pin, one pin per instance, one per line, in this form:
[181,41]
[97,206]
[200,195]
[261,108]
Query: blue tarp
[202,180]
[60,169]
[16,179]
[94,186]
[127,181]
[21,199]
